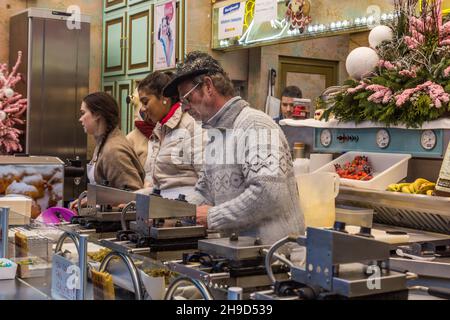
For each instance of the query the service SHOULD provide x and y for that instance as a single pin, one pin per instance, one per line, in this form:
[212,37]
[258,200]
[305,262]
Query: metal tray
[400,209]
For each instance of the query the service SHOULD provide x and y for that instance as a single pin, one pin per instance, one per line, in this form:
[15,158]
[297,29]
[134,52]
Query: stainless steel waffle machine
[104,212]
[167,228]
[223,263]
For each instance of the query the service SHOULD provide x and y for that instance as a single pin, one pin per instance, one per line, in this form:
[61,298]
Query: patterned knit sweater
[256,196]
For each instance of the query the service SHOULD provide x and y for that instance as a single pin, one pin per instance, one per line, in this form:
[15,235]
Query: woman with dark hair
[171,163]
[114,160]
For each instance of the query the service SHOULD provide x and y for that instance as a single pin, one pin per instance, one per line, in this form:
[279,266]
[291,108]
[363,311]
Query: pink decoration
[360,87]
[11,109]
[382,94]
[435,91]
[447,72]
[408,73]
[386,64]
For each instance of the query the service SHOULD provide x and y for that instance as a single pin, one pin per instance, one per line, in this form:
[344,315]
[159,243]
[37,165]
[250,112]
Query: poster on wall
[165,36]
[231,20]
[265,10]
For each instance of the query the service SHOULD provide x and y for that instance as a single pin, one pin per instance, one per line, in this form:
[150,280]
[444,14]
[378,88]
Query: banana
[413,188]
[405,189]
[427,187]
[393,187]
[430,192]
[421,181]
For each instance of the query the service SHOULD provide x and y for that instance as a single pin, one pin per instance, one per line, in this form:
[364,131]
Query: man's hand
[74,205]
[202,214]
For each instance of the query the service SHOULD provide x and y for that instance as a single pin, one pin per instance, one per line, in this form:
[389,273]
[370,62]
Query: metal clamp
[81,243]
[4,219]
[135,277]
[204,291]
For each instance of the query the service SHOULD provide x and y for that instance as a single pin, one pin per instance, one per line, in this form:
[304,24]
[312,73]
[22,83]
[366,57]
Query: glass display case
[47,260]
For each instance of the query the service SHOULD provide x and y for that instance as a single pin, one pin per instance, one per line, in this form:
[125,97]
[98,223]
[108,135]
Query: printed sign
[231,20]
[65,278]
[165,36]
[443,183]
[265,10]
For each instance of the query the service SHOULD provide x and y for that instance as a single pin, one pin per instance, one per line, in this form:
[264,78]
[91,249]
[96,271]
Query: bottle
[299,150]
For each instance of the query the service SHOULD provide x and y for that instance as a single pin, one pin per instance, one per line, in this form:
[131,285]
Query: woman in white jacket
[173,161]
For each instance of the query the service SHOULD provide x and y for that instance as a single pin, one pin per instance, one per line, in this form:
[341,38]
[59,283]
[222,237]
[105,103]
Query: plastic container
[301,166]
[8,273]
[317,193]
[387,168]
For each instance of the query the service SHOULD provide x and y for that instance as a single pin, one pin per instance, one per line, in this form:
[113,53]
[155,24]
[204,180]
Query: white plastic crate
[8,273]
[387,168]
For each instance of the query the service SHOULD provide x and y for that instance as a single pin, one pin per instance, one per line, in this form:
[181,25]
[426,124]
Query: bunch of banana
[420,186]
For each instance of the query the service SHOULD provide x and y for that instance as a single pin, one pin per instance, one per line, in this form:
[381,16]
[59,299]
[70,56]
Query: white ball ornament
[2,115]
[360,62]
[380,34]
[9,92]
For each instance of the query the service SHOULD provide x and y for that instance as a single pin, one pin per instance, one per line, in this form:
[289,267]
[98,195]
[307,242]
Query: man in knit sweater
[247,180]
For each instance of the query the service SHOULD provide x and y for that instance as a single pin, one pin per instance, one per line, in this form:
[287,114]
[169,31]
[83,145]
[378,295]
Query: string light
[284,28]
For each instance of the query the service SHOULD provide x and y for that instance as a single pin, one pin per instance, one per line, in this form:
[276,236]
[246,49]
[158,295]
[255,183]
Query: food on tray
[23,189]
[44,184]
[8,174]
[358,169]
[155,273]
[5,264]
[27,262]
[420,186]
[98,256]
[103,285]
[38,182]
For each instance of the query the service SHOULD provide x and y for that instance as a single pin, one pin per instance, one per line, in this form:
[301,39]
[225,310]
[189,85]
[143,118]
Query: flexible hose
[204,291]
[271,254]
[125,209]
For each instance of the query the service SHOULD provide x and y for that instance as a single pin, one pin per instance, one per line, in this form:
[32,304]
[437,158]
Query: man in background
[287,102]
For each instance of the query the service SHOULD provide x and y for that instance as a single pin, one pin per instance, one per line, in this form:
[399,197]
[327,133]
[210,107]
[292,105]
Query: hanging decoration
[12,109]
[297,14]
[411,83]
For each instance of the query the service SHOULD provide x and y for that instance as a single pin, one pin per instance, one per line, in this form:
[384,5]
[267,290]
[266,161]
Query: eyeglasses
[184,99]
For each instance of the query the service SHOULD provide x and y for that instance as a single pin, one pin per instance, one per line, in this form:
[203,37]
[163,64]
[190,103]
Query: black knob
[182,197]
[339,226]
[156,192]
[178,224]
[258,242]
[365,232]
[234,237]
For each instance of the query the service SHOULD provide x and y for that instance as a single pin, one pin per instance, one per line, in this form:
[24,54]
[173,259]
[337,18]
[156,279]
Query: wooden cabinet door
[109,5]
[139,39]
[110,88]
[114,44]
[133,2]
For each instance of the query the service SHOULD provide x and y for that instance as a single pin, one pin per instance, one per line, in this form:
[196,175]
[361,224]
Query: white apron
[91,172]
